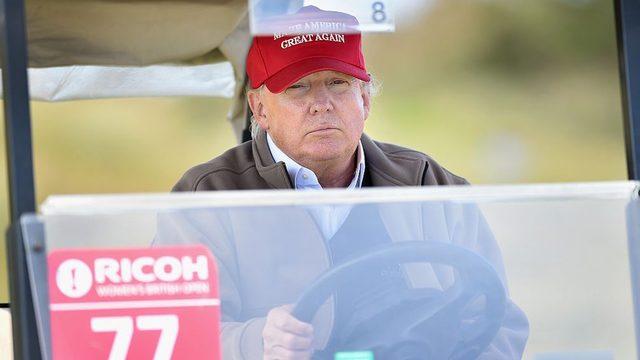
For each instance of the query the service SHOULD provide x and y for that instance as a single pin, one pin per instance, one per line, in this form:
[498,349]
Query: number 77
[123,327]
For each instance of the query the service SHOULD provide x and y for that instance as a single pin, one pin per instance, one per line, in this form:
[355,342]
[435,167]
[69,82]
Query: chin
[325,152]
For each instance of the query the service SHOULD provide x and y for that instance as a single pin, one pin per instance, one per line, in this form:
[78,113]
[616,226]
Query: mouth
[323,130]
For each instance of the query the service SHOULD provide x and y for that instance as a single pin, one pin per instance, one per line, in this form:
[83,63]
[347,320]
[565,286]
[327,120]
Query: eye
[297,88]
[339,82]
[339,85]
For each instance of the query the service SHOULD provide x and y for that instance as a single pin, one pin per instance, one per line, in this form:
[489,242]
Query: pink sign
[145,303]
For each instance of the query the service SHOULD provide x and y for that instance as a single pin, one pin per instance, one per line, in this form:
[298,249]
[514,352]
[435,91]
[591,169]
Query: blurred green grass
[498,92]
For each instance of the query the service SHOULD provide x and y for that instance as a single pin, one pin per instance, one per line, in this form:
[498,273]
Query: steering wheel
[420,324]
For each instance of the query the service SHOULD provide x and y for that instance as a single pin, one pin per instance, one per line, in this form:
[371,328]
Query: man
[310,97]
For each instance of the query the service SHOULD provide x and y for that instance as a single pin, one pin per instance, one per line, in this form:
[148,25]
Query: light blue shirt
[329,218]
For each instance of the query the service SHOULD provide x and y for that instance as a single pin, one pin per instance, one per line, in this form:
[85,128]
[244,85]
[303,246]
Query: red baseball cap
[314,43]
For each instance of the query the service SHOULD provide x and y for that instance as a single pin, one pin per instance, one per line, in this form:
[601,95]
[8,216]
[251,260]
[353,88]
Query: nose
[321,102]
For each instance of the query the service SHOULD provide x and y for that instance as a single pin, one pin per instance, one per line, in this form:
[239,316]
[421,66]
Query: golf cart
[409,326]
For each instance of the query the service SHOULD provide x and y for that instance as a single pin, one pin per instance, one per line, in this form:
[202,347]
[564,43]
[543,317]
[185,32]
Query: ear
[257,108]
[366,99]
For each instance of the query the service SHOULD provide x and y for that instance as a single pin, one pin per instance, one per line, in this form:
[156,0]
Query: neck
[334,174]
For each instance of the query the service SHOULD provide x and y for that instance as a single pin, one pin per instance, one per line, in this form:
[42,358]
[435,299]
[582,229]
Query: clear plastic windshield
[540,272]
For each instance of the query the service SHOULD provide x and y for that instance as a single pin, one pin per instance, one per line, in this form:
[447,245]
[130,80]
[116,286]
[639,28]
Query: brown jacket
[250,166]
[253,249]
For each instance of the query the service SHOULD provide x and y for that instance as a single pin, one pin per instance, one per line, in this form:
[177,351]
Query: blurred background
[497,91]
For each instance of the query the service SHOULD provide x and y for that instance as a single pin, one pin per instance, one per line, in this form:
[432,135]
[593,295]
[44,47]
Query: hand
[286,337]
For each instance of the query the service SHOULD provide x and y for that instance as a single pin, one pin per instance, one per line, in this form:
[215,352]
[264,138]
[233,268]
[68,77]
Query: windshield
[542,270]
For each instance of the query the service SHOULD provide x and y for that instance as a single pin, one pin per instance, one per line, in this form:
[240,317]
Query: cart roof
[129,33]
[85,49]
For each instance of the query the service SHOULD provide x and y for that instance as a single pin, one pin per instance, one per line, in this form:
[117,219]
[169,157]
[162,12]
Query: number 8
[379,14]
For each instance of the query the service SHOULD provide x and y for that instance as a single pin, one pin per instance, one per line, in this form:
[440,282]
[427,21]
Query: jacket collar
[275,174]
[385,168]
[392,168]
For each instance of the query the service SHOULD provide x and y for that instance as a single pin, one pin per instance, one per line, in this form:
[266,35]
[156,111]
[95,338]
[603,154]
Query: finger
[286,322]
[286,354]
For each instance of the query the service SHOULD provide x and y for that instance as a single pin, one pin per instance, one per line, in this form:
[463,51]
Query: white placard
[372,15]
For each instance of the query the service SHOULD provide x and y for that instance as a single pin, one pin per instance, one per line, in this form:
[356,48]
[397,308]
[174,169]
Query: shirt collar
[303,178]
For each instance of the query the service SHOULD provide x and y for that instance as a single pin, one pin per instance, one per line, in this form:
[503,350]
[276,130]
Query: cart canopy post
[628,32]
[20,172]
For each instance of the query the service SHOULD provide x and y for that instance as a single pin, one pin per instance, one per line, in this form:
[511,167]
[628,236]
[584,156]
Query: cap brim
[281,80]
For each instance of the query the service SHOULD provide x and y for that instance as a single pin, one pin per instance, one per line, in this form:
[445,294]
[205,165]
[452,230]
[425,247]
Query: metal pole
[628,35]
[20,172]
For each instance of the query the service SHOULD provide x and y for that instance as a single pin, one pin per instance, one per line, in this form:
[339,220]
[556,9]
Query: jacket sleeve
[472,231]
[239,339]
[466,226]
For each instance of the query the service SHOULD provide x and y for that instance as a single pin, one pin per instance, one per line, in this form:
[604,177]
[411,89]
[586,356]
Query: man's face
[318,118]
